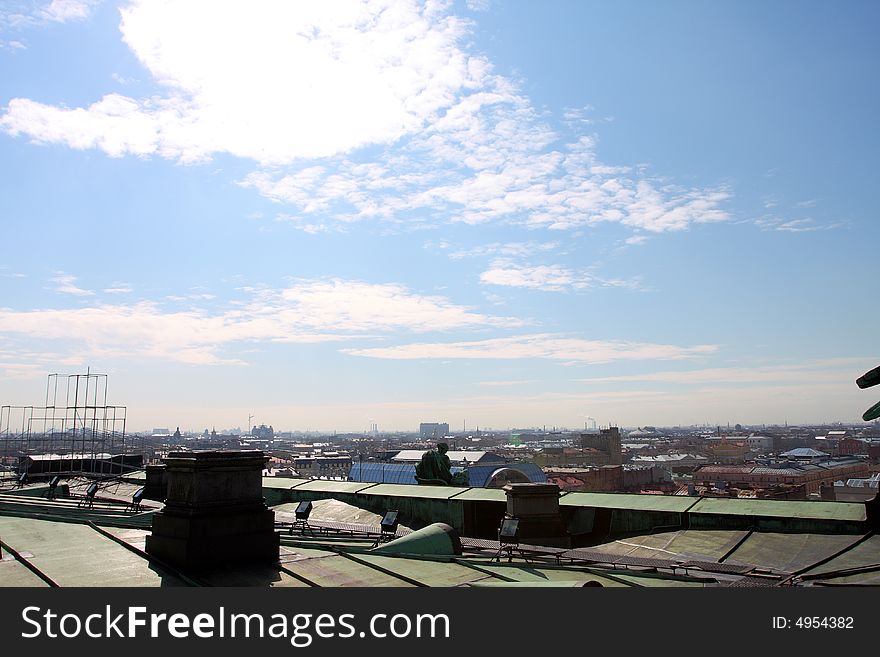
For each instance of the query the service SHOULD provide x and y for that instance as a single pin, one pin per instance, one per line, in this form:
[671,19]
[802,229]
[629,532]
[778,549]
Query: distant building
[433,430]
[805,454]
[323,465]
[609,478]
[847,446]
[46,464]
[723,450]
[644,433]
[859,489]
[763,444]
[573,457]
[606,441]
[461,458]
[671,462]
[810,475]
[263,432]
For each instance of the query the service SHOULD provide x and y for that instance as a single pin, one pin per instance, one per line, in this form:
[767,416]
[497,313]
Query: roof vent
[438,539]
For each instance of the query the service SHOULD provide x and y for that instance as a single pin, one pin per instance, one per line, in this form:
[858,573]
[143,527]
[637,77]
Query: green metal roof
[283,483]
[424,492]
[68,508]
[337,570]
[298,551]
[78,555]
[482,495]
[869,579]
[519,572]
[674,503]
[74,554]
[13,573]
[790,552]
[330,486]
[864,554]
[702,544]
[711,544]
[537,585]
[851,511]
[654,582]
[430,573]
[252,575]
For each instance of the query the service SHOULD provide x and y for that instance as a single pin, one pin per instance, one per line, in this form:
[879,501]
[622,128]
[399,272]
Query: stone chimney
[214,512]
[536,506]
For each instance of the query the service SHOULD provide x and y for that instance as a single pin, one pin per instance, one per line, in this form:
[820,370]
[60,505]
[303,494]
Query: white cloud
[12,46]
[6,273]
[479,5]
[795,225]
[18,14]
[19,362]
[837,369]
[503,249]
[118,331]
[306,227]
[114,124]
[306,85]
[304,312]
[354,306]
[61,11]
[541,277]
[192,296]
[121,79]
[66,284]
[487,159]
[770,202]
[118,288]
[300,80]
[551,278]
[636,240]
[546,346]
[656,212]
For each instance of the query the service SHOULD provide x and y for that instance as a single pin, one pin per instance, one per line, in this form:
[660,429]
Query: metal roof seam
[301,578]
[844,550]
[485,571]
[148,557]
[27,564]
[386,571]
[742,540]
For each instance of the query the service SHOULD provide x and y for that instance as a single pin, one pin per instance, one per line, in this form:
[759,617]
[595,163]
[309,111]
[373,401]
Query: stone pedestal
[214,511]
[537,508]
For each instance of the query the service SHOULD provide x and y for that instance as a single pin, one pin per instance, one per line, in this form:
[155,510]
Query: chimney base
[215,513]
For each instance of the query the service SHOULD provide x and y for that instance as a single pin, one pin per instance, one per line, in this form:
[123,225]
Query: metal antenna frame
[76,422]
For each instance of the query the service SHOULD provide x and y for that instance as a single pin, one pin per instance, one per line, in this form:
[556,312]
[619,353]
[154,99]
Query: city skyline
[391,212]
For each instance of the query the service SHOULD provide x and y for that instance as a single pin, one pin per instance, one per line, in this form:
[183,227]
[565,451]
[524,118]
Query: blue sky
[501,213]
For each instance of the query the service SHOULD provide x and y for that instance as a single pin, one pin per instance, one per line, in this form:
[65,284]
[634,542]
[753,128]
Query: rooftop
[57,542]
[803,452]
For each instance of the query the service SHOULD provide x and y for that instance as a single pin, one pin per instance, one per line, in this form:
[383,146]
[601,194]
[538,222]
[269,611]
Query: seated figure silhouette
[435,467]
